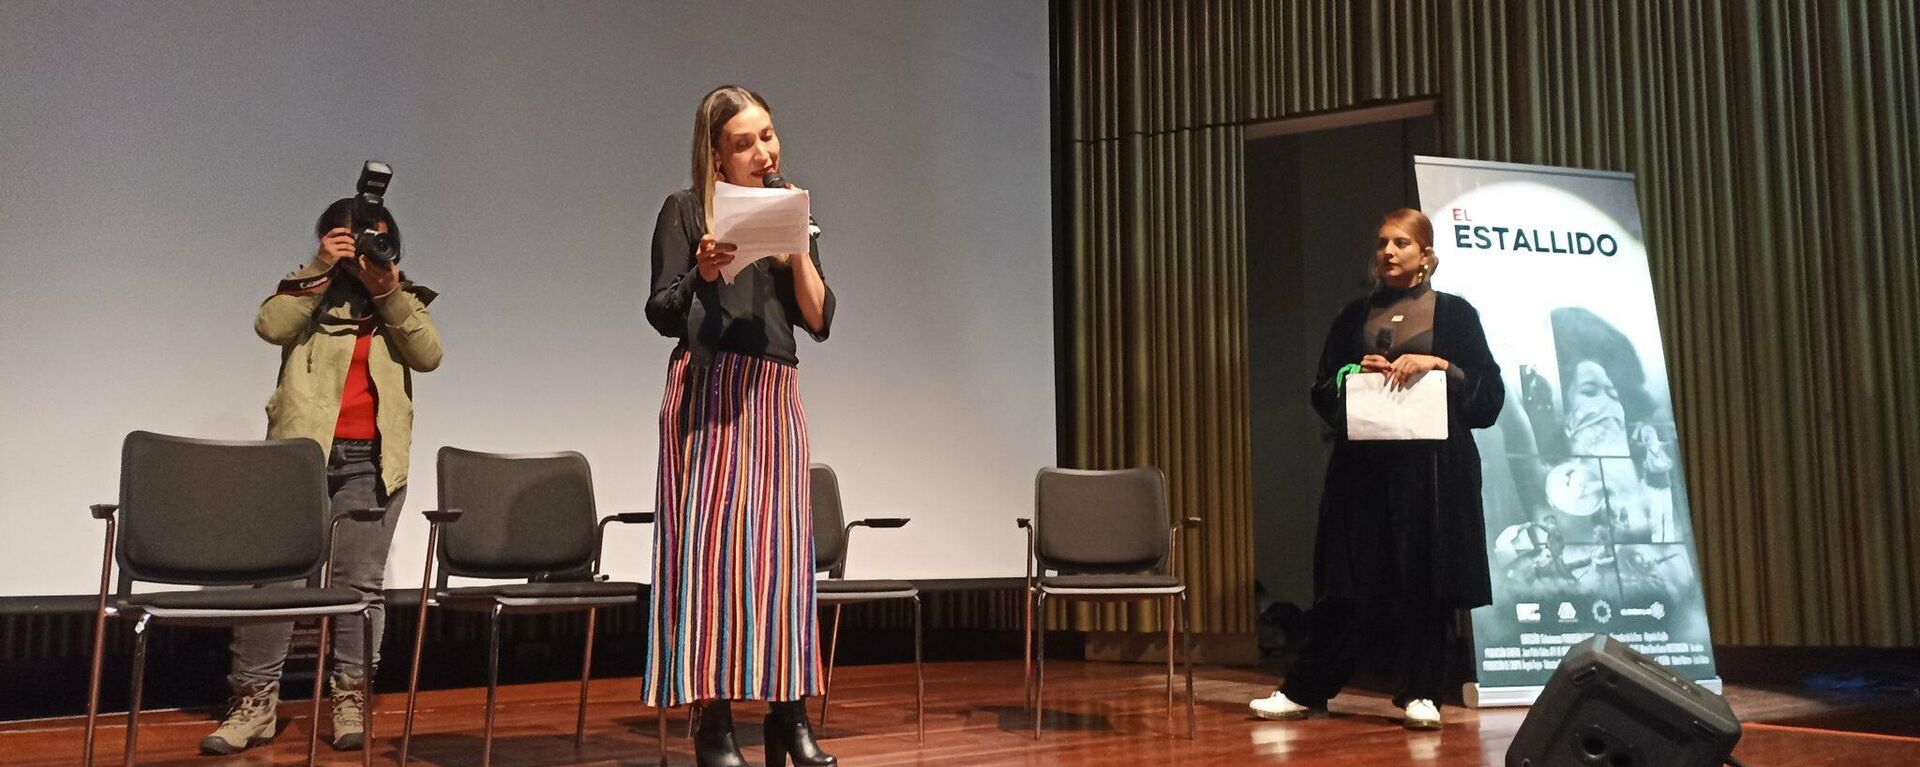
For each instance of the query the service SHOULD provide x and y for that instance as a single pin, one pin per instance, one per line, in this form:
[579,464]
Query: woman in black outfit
[1401,543]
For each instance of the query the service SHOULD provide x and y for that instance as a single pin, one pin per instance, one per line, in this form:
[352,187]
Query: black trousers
[1342,630]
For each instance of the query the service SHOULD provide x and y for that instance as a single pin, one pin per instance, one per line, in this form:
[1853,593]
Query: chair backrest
[1112,521]
[522,515]
[217,513]
[829,521]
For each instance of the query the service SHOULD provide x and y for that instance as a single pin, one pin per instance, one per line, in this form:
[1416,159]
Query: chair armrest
[600,533]
[1026,523]
[104,512]
[439,516]
[847,552]
[1173,541]
[369,514]
[435,518]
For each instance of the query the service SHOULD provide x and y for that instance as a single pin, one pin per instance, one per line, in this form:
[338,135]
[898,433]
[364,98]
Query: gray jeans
[359,562]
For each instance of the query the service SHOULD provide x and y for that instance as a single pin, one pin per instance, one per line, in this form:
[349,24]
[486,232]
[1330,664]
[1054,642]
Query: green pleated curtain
[1777,147]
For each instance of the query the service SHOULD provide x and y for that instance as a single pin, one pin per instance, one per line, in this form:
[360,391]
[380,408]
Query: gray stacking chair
[528,518]
[1105,536]
[197,512]
[831,534]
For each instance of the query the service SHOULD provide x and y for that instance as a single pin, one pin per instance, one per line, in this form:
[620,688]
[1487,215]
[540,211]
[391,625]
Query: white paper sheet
[1416,412]
[759,223]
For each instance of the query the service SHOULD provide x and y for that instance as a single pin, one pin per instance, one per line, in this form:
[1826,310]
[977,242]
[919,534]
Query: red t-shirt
[358,400]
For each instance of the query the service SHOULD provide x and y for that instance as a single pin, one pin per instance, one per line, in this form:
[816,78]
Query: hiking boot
[250,720]
[349,701]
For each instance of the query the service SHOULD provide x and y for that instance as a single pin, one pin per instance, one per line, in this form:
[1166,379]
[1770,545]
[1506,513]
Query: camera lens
[376,245]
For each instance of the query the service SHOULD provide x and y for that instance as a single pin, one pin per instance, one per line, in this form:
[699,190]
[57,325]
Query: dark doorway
[1316,189]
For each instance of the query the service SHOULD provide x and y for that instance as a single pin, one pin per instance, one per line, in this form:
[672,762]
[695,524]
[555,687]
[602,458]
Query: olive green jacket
[314,324]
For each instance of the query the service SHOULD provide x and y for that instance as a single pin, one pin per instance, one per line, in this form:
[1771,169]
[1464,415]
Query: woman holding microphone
[733,615]
[1401,542]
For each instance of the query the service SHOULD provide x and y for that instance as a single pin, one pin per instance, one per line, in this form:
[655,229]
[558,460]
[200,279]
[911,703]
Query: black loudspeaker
[1608,706]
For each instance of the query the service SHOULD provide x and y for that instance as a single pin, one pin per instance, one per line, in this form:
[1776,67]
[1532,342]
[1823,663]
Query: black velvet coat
[1404,518]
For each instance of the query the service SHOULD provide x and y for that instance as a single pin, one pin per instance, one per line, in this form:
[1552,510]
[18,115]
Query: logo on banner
[1658,611]
[1568,613]
[1602,611]
[1527,612]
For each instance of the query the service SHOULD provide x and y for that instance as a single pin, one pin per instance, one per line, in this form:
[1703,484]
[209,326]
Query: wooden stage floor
[1096,714]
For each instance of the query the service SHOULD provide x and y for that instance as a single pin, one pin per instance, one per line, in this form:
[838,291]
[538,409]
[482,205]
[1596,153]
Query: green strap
[1340,377]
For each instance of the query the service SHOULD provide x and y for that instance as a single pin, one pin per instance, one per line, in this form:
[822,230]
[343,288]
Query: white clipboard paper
[1376,413]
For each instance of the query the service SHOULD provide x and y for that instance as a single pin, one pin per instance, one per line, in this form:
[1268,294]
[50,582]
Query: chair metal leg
[413,681]
[93,680]
[1186,649]
[1027,658]
[662,712]
[419,642]
[1169,618]
[833,652]
[586,675]
[100,615]
[1039,666]
[493,684]
[366,669]
[919,676]
[319,685]
[139,680]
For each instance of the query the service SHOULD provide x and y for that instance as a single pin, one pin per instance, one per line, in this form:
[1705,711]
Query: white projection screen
[166,162]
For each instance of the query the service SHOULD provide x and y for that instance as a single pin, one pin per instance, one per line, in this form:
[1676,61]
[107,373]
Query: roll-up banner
[1583,481]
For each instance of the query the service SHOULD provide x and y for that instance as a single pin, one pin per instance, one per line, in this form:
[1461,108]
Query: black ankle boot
[788,734]
[713,743]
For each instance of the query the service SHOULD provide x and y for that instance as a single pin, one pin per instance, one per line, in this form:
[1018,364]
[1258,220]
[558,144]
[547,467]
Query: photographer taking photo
[351,330]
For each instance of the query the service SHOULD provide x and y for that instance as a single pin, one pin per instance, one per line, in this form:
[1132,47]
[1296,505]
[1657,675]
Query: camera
[368,207]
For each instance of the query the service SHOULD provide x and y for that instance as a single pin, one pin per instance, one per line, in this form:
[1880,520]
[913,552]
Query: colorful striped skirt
[733,597]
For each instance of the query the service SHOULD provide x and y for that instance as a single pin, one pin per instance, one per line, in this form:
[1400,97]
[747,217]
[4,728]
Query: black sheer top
[754,316]
[1400,321]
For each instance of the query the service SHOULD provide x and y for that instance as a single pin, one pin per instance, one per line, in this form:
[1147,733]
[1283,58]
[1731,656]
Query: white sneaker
[1278,707]
[1422,714]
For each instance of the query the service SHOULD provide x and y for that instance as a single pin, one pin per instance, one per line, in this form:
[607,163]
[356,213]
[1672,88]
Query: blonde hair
[716,109]
[1414,223]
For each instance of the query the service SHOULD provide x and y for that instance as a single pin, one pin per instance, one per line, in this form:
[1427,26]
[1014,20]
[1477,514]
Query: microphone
[1384,340]
[773,180]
